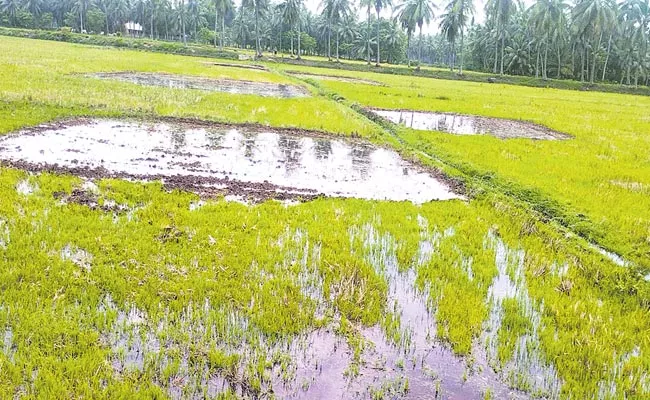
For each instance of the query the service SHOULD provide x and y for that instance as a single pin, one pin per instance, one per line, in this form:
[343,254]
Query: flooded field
[249,162]
[469,125]
[264,89]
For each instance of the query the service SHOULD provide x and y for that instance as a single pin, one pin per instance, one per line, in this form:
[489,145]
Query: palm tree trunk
[183,27]
[408,47]
[299,33]
[222,39]
[420,48]
[329,40]
[337,46]
[462,53]
[503,43]
[537,64]
[81,19]
[559,62]
[496,49]
[153,11]
[368,34]
[216,19]
[545,69]
[257,33]
[378,57]
[609,47]
[594,53]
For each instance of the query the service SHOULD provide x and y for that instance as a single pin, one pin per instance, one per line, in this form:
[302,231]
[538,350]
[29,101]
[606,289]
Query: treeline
[589,40]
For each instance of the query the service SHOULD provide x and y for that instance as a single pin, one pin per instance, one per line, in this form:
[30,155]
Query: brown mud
[469,124]
[264,89]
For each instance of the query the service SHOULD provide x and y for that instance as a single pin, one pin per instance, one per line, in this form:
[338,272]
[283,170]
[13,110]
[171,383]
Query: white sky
[479,5]
[479,13]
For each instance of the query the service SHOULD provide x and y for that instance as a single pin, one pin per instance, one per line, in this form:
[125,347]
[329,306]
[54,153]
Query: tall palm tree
[292,15]
[368,4]
[333,11]
[591,18]
[453,23]
[500,11]
[10,7]
[81,7]
[420,12]
[548,19]
[379,5]
[221,7]
[259,9]
[407,20]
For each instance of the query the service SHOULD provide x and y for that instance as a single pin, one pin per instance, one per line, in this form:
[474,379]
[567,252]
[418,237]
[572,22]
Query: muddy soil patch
[264,89]
[212,159]
[243,66]
[469,124]
[308,75]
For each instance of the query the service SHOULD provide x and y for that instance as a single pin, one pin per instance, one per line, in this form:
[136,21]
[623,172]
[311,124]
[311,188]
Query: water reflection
[329,166]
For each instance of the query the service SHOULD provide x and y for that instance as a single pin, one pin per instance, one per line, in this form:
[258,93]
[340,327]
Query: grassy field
[602,173]
[170,293]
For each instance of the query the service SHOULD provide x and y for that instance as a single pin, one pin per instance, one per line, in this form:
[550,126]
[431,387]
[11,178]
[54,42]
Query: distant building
[133,28]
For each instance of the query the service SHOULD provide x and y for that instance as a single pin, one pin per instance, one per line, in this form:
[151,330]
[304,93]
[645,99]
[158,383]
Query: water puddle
[527,367]
[77,256]
[264,89]
[430,368]
[4,234]
[469,125]
[307,75]
[25,188]
[210,159]
[243,66]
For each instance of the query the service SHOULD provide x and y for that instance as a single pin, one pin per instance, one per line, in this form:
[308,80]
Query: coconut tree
[259,9]
[548,19]
[81,7]
[500,12]
[221,8]
[380,5]
[421,13]
[591,18]
[292,16]
[368,4]
[453,23]
[10,7]
[408,23]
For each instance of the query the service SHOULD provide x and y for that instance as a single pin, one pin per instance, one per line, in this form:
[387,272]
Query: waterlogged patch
[512,337]
[307,75]
[469,125]
[25,187]
[211,159]
[4,234]
[264,89]
[243,66]
[77,256]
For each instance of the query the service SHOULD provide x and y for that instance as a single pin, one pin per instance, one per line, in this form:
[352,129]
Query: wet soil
[243,66]
[308,75]
[264,89]
[469,124]
[252,163]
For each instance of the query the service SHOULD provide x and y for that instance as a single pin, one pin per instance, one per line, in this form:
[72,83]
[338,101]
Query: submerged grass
[170,296]
[594,183]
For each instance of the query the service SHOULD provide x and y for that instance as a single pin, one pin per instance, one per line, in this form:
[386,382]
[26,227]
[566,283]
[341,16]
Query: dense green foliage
[586,40]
